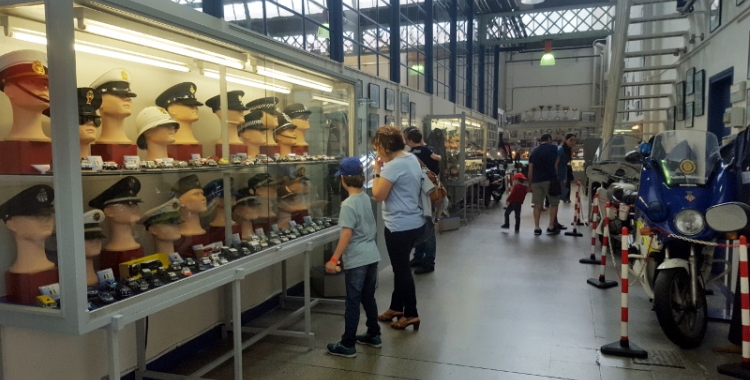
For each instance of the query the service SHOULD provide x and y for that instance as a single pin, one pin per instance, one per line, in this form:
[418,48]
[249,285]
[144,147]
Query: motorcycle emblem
[687,167]
[689,196]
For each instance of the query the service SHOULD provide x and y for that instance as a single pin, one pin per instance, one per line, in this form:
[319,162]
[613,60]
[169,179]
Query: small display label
[195,156]
[52,290]
[105,275]
[259,232]
[293,224]
[275,227]
[175,257]
[96,162]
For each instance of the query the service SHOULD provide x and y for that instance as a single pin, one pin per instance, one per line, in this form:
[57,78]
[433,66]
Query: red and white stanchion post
[579,206]
[575,220]
[592,258]
[741,370]
[624,347]
[602,282]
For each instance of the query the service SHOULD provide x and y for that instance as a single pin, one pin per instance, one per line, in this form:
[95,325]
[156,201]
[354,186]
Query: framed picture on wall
[358,90]
[670,119]
[404,102]
[373,92]
[390,120]
[679,100]
[700,91]
[689,115]
[390,100]
[689,81]
[372,124]
[715,15]
[412,112]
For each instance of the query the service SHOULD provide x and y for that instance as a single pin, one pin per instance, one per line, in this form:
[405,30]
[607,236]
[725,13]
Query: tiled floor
[499,306]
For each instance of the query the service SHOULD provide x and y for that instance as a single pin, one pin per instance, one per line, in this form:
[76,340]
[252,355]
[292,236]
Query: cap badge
[239,97]
[38,68]
[42,196]
[175,205]
[192,90]
[89,97]
[162,110]
[97,216]
[124,75]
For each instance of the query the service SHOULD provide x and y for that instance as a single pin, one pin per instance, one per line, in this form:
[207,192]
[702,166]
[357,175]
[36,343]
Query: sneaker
[414,263]
[505,226]
[339,350]
[560,227]
[517,230]
[424,269]
[373,341]
[552,231]
[537,231]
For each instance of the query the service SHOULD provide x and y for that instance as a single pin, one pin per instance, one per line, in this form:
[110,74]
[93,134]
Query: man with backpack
[424,253]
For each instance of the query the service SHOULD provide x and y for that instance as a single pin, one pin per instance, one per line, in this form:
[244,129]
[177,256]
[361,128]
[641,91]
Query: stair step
[640,122]
[639,97]
[651,53]
[673,16]
[643,110]
[644,2]
[653,36]
[648,68]
[647,83]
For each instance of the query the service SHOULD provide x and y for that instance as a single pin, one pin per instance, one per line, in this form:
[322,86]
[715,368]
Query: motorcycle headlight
[689,222]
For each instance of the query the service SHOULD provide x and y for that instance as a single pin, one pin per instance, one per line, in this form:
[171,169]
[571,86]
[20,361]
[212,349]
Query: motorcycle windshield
[617,147]
[686,157]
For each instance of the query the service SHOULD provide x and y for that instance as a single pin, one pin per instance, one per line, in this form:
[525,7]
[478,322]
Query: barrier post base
[601,284]
[590,261]
[737,370]
[624,348]
[573,233]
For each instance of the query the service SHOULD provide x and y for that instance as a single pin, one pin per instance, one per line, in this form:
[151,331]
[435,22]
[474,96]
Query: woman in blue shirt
[398,183]
[565,152]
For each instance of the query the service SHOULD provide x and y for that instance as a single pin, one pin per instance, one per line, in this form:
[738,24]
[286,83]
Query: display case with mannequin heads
[151,96]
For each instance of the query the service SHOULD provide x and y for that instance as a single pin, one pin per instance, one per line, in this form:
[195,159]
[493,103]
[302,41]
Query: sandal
[404,322]
[389,315]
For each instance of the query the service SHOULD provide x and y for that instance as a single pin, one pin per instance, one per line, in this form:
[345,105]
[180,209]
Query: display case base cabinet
[184,246]
[24,287]
[114,152]
[233,149]
[113,259]
[18,156]
[217,233]
[184,152]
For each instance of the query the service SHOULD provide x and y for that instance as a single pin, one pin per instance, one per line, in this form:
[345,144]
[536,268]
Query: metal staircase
[644,51]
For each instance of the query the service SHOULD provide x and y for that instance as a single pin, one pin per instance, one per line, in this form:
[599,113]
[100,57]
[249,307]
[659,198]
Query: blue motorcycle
[683,174]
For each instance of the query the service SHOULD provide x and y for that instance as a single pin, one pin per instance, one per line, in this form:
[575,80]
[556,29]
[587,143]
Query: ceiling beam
[550,9]
[550,37]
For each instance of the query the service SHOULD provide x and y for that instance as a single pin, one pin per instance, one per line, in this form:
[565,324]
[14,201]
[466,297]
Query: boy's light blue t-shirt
[401,210]
[356,213]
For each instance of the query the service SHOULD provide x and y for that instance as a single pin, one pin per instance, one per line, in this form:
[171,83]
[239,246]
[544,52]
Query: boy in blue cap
[360,257]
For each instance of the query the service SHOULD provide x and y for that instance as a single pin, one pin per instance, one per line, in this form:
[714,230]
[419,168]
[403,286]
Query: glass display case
[465,146]
[194,152]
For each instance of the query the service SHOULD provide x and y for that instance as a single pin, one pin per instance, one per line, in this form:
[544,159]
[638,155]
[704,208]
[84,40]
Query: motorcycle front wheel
[683,323]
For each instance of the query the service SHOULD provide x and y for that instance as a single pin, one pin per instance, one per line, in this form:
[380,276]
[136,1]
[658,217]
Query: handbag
[554,187]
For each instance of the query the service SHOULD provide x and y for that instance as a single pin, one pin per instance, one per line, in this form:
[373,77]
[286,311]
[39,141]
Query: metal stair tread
[648,53]
[652,36]
[649,68]
[647,83]
[639,97]
[640,122]
[642,110]
[644,2]
[673,16]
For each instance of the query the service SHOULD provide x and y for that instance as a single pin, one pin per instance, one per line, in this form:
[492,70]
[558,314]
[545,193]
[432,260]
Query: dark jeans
[360,288]
[399,244]
[425,252]
[513,207]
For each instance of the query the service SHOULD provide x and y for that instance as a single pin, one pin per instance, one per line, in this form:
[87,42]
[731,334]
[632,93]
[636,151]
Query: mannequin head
[123,213]
[253,137]
[246,213]
[166,232]
[116,106]
[194,201]
[93,248]
[161,135]
[233,117]
[270,120]
[301,124]
[87,132]
[299,114]
[38,86]
[32,227]
[183,113]
[88,121]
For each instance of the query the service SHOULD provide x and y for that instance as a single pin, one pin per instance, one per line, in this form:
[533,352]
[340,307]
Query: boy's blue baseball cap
[349,166]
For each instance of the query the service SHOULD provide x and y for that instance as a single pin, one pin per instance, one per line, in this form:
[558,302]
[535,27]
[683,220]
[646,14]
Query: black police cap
[89,101]
[297,110]
[125,191]
[234,101]
[181,93]
[284,124]
[33,201]
[258,181]
[253,120]
[246,197]
[186,184]
[263,104]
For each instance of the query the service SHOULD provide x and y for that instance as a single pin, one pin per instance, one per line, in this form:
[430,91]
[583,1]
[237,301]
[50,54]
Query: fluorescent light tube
[264,71]
[147,40]
[247,82]
[87,47]
[330,100]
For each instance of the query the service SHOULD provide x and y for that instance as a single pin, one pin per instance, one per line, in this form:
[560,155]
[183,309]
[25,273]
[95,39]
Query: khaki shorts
[539,191]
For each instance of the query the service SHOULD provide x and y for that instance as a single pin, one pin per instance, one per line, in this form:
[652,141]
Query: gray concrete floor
[499,306]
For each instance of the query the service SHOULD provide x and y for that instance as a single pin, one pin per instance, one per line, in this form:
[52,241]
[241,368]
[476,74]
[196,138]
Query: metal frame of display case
[72,317]
[467,184]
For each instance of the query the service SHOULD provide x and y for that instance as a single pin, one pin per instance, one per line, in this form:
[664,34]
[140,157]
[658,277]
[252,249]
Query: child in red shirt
[515,200]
